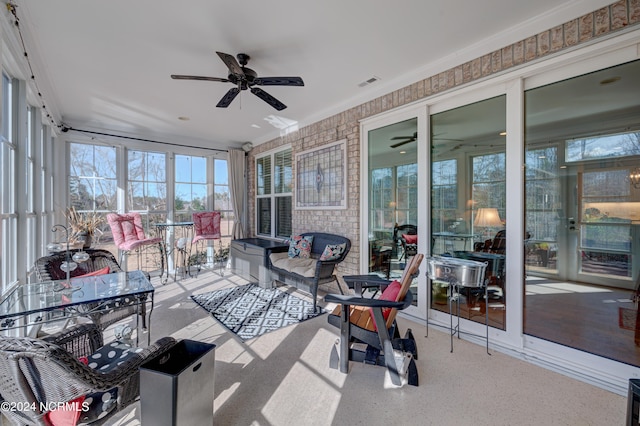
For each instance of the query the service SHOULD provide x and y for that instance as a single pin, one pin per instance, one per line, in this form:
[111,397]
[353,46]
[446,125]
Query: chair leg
[412,374]
[387,347]
[314,294]
[334,358]
[345,338]
[124,258]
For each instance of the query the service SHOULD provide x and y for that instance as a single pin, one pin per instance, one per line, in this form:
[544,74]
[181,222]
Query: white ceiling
[104,66]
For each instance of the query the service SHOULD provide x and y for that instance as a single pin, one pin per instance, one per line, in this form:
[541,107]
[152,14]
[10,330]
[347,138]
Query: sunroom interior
[531,167]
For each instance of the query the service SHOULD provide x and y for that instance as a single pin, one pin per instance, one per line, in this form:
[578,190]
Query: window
[221,196]
[607,146]
[382,211]
[8,213]
[444,197]
[542,190]
[407,194]
[274,186]
[31,219]
[92,177]
[147,185]
[190,186]
[489,182]
[394,196]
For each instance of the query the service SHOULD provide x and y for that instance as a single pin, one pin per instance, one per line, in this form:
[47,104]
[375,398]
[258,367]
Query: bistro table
[181,246]
[36,304]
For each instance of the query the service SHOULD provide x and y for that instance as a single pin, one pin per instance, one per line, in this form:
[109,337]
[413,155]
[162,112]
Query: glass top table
[28,304]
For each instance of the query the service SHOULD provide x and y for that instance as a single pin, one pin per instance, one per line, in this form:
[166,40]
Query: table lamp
[487,217]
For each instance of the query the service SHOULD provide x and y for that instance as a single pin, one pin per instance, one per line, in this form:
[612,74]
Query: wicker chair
[47,268]
[40,373]
[405,235]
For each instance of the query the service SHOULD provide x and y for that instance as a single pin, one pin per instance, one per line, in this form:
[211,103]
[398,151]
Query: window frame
[275,198]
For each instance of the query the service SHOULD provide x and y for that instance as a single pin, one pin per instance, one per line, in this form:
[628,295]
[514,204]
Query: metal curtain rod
[67,129]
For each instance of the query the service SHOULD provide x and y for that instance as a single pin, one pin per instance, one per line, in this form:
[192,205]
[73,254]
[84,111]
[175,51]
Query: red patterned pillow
[102,271]
[300,246]
[410,239]
[333,251]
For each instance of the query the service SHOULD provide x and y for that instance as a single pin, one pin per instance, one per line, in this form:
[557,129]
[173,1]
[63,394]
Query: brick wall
[345,125]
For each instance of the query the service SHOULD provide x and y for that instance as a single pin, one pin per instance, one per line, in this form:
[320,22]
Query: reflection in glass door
[607,222]
[468,204]
[393,198]
[583,212]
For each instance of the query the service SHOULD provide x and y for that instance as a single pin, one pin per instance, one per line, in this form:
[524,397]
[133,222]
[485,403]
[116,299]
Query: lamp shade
[487,216]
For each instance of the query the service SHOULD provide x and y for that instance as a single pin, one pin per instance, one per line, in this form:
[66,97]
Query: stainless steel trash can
[176,388]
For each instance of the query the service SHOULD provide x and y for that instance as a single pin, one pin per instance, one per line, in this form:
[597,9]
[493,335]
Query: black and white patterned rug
[250,311]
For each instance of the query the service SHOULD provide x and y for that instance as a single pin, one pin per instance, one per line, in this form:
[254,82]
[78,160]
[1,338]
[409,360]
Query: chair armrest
[120,375]
[363,301]
[131,366]
[366,281]
[82,340]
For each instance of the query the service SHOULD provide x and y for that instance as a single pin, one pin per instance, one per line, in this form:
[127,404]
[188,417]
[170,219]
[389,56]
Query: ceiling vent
[369,81]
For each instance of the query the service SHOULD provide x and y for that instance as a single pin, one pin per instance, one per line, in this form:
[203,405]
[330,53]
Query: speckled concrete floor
[283,377]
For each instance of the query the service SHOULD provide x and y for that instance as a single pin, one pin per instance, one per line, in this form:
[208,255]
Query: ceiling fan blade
[228,97]
[279,81]
[231,63]
[395,145]
[414,137]
[268,98]
[196,77]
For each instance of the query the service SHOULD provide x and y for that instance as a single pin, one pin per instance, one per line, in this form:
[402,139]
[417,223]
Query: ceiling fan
[404,139]
[407,139]
[245,78]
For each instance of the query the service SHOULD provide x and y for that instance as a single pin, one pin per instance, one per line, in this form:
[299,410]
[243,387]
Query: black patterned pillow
[333,251]
[100,404]
[300,246]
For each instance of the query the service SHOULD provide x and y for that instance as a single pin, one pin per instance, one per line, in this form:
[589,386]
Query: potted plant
[83,225]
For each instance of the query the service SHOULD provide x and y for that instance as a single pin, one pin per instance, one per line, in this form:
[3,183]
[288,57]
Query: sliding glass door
[468,203]
[582,186]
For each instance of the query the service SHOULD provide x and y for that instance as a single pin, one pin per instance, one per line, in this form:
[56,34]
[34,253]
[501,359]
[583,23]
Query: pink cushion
[126,229]
[206,226]
[410,239]
[132,245]
[69,415]
[390,293]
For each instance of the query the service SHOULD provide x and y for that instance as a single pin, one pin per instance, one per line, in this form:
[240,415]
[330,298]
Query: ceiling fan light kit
[245,78]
